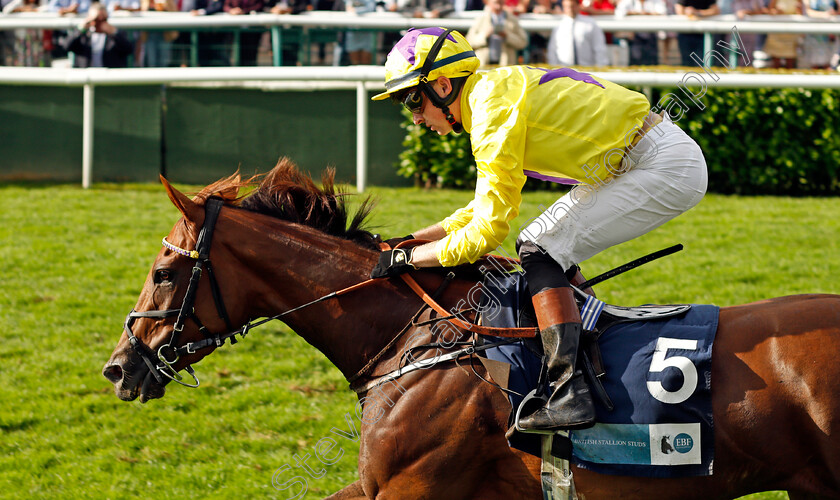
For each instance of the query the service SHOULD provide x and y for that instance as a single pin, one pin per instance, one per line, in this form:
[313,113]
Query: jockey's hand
[392,242]
[393,263]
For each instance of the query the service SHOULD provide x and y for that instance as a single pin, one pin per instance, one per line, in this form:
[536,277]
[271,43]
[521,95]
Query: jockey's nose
[417,118]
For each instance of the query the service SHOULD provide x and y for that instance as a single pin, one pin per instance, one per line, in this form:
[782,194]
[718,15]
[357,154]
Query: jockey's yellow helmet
[425,54]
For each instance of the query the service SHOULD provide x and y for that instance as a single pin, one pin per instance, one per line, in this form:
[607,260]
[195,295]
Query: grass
[74,262]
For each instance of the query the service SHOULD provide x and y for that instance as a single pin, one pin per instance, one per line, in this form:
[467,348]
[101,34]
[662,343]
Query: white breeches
[663,176]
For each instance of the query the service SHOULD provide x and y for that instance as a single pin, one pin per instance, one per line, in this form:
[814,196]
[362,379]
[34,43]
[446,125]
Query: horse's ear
[191,211]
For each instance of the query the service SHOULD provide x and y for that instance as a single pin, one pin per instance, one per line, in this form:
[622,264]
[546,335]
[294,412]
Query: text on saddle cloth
[658,375]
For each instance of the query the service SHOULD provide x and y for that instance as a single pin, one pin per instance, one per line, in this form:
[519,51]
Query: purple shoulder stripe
[543,177]
[567,73]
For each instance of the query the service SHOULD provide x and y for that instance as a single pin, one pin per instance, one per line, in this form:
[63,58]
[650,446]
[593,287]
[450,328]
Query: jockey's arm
[431,233]
[425,255]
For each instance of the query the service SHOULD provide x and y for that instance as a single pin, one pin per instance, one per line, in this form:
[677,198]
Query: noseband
[162,362]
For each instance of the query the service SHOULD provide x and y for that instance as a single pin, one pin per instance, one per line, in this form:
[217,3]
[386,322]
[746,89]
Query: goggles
[413,101]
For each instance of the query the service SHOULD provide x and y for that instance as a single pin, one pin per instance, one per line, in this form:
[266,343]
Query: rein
[161,363]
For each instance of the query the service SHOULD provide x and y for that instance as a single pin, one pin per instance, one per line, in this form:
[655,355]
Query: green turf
[74,262]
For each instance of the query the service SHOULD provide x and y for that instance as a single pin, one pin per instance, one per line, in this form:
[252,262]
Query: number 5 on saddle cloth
[656,372]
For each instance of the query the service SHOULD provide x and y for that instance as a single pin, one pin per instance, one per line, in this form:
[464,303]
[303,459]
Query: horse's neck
[293,265]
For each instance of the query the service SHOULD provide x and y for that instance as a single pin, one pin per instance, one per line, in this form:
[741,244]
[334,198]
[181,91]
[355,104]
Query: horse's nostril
[114,373]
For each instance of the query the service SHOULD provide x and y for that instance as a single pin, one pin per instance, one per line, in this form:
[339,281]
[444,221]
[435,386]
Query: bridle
[161,363]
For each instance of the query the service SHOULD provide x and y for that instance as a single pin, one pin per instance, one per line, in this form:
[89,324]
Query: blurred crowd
[496,33]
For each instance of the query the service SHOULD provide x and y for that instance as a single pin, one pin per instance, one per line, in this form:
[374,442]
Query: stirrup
[531,398]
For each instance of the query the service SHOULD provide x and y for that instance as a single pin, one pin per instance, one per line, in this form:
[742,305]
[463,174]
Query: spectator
[20,6]
[577,40]
[742,9]
[210,41]
[544,7]
[7,38]
[516,7]
[25,47]
[781,47]
[291,44]
[63,7]
[538,40]
[597,7]
[460,6]
[155,47]
[291,7]
[124,5]
[820,48]
[693,42]
[98,44]
[360,45]
[249,41]
[644,47]
[425,8]
[496,35]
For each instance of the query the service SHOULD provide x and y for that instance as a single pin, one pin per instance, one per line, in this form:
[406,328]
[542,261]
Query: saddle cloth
[658,375]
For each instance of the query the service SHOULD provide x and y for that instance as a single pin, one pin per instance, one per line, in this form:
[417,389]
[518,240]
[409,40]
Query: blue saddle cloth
[658,375]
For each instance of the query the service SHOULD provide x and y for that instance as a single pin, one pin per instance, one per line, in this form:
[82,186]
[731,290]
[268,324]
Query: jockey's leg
[576,278]
[570,404]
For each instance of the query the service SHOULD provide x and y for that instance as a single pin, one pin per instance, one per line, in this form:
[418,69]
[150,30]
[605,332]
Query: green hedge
[756,141]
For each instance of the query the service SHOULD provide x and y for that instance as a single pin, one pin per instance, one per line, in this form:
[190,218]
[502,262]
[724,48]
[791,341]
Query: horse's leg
[444,439]
[352,491]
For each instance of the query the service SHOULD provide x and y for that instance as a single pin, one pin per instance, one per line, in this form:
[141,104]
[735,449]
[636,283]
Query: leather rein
[161,363]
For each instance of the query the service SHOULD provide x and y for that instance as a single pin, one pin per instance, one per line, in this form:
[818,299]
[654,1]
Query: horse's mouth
[151,389]
[139,383]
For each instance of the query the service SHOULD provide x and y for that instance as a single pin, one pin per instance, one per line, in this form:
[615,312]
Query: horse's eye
[163,275]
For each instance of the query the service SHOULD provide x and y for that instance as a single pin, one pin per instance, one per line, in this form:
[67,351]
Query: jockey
[634,170]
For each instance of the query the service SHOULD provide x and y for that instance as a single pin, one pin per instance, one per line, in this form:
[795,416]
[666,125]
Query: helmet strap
[444,102]
[456,127]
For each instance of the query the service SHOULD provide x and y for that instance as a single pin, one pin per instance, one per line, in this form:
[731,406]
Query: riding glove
[393,263]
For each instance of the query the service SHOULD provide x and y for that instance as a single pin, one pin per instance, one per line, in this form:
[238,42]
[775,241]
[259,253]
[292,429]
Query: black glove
[392,242]
[393,263]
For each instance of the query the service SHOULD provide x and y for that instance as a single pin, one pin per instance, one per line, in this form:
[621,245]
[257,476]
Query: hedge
[756,141]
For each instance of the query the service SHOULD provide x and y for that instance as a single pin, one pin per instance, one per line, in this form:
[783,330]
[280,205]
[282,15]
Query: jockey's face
[431,116]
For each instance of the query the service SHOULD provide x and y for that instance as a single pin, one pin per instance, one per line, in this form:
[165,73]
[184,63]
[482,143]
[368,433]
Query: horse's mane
[291,195]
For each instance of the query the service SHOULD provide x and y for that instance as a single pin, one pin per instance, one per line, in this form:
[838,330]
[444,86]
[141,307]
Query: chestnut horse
[776,398]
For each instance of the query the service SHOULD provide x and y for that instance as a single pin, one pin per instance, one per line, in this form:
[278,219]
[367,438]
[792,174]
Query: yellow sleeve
[458,219]
[498,141]
[488,228]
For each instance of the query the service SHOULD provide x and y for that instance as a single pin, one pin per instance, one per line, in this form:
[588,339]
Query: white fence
[363,78]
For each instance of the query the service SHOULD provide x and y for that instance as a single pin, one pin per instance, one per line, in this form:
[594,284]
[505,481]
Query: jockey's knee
[541,269]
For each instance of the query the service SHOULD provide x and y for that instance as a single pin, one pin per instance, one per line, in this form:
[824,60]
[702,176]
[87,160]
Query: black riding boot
[570,405]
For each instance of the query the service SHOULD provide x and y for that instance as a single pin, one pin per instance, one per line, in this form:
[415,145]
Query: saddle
[596,316]
[612,314]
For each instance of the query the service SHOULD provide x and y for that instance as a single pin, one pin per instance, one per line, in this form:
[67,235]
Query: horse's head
[188,307]
[174,323]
